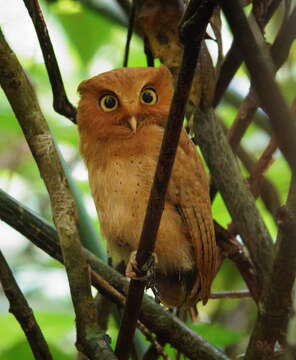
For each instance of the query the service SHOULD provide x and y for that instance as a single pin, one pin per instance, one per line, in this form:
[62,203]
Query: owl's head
[120,102]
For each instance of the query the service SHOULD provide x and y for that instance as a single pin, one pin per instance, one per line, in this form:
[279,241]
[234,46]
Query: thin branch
[234,57]
[192,34]
[232,294]
[109,282]
[272,322]
[20,308]
[259,66]
[24,103]
[279,53]
[61,104]
[130,29]
[105,11]
[229,181]
[236,252]
[263,163]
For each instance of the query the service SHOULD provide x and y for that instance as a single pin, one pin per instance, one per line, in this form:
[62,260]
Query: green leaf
[86,30]
[216,334]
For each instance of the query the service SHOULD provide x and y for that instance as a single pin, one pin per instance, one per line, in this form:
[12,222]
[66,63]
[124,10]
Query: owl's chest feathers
[121,184]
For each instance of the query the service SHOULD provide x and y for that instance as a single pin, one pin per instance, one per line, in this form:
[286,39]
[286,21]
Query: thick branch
[259,66]
[61,103]
[193,31]
[238,199]
[26,108]
[153,316]
[20,308]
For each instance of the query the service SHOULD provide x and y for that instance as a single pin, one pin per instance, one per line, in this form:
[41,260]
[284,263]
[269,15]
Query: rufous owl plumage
[121,119]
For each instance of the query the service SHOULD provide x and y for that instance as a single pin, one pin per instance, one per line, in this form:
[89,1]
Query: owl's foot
[133,271]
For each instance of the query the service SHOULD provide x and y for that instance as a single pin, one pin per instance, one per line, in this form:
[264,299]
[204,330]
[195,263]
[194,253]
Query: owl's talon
[132,269]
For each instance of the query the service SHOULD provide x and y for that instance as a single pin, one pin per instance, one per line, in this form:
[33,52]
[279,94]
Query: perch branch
[61,104]
[193,31]
[20,308]
[109,282]
[24,103]
[259,66]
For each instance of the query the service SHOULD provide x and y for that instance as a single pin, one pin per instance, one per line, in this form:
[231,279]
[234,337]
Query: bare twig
[61,103]
[236,252]
[279,53]
[263,163]
[20,308]
[192,34]
[232,294]
[109,282]
[129,32]
[259,66]
[23,100]
[234,57]
[105,11]
[272,322]
[238,198]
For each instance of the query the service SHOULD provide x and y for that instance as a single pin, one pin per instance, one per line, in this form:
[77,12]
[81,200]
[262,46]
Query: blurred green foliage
[86,43]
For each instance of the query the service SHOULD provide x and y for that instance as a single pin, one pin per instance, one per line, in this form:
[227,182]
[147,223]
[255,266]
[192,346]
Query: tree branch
[237,196]
[20,308]
[272,322]
[259,66]
[154,317]
[193,30]
[234,57]
[61,104]
[24,103]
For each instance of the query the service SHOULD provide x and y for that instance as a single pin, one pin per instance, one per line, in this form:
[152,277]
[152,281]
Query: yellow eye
[108,103]
[148,97]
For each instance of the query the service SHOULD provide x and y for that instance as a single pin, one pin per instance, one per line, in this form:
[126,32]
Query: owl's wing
[189,192]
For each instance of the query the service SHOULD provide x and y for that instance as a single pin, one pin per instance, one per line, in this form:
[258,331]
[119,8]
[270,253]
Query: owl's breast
[120,190]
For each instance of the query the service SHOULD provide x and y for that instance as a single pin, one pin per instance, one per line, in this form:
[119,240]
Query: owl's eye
[108,103]
[148,96]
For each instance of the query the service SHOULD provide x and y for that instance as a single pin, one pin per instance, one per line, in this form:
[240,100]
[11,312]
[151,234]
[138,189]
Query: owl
[121,119]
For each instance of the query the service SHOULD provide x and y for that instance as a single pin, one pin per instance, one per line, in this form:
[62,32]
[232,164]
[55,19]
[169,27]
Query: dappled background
[89,38]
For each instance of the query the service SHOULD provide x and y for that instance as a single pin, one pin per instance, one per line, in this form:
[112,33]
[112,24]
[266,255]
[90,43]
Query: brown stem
[193,31]
[259,66]
[265,160]
[61,104]
[24,103]
[272,322]
[129,32]
[237,197]
[109,282]
[234,57]
[20,308]
[233,294]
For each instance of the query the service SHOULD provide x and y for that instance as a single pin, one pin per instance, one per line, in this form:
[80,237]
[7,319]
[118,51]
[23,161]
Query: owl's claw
[132,269]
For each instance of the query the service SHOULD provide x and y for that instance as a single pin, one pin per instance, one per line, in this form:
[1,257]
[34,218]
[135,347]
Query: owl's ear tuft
[82,87]
[164,70]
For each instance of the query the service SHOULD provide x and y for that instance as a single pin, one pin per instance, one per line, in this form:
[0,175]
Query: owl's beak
[132,121]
